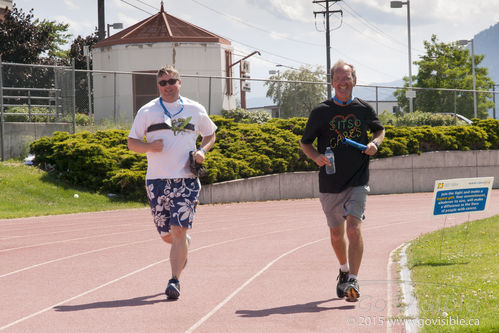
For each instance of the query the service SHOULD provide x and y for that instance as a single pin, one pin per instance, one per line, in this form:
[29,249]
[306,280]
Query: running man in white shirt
[171,124]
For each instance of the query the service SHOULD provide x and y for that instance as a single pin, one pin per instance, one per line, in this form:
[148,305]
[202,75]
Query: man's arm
[313,154]
[140,146]
[372,147]
[206,143]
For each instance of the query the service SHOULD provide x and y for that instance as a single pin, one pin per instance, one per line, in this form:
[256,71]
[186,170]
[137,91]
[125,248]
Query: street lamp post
[114,26]
[398,4]
[465,42]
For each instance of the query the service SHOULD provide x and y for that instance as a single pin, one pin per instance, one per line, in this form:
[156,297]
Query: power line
[258,48]
[253,26]
[379,41]
[372,26]
[145,3]
[145,11]
[326,13]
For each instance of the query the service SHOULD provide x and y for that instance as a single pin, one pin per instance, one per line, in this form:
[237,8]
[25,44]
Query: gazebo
[145,47]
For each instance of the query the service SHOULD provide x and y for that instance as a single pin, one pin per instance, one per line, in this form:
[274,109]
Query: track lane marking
[74,256]
[108,248]
[65,231]
[138,271]
[235,292]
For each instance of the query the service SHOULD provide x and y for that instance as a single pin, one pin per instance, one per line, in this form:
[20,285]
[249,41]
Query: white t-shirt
[173,161]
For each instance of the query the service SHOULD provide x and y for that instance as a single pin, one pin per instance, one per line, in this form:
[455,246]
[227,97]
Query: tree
[448,66]
[297,99]
[81,79]
[24,39]
[76,50]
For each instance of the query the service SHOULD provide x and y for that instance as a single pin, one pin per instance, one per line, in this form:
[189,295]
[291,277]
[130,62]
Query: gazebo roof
[161,27]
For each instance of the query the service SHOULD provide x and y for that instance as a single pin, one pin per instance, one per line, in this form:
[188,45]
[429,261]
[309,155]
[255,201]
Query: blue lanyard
[168,112]
[343,103]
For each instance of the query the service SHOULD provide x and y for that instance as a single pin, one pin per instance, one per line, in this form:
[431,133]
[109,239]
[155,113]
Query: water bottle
[330,170]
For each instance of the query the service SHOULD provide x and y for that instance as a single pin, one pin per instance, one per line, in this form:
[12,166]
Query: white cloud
[295,10]
[76,27]
[70,4]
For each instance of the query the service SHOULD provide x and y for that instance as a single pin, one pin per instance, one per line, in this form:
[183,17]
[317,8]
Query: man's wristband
[204,151]
[375,143]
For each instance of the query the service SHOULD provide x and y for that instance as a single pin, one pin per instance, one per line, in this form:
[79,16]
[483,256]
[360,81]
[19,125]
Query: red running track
[253,267]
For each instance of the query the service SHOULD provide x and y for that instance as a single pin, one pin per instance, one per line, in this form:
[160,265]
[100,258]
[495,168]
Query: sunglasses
[169,82]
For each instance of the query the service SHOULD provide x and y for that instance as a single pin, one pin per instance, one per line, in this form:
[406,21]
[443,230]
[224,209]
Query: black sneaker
[342,278]
[173,289]
[352,290]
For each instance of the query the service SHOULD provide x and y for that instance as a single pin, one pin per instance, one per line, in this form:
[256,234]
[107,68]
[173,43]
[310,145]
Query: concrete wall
[18,136]
[402,174]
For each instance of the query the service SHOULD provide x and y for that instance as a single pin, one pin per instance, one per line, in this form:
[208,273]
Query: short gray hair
[341,63]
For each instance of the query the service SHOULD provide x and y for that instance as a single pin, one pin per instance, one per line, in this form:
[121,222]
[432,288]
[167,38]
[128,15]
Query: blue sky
[370,34]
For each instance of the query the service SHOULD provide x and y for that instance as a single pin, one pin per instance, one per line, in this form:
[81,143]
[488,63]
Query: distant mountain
[486,42]
[258,102]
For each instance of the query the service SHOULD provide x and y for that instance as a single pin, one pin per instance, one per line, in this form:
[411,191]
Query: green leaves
[23,39]
[101,161]
[448,65]
[297,99]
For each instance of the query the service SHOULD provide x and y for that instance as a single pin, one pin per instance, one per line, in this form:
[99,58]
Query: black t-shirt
[330,123]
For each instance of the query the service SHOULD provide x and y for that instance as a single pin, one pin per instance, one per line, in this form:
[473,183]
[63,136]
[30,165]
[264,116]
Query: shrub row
[21,114]
[418,118]
[101,161]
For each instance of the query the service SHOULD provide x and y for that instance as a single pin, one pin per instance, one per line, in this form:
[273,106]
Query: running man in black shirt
[343,194]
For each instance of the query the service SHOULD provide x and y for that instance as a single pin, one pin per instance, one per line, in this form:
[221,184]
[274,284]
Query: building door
[144,89]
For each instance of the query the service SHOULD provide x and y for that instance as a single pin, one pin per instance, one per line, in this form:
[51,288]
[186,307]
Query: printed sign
[461,195]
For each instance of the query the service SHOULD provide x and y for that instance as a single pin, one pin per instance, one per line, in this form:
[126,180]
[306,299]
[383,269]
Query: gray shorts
[337,206]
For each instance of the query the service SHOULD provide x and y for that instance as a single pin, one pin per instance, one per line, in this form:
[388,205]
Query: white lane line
[140,270]
[72,239]
[107,248]
[75,255]
[47,221]
[235,292]
[65,231]
[82,294]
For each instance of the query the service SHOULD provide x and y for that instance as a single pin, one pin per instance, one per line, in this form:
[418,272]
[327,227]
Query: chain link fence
[66,97]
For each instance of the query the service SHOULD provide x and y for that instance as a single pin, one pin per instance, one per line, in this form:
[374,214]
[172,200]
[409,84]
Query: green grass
[27,191]
[456,276]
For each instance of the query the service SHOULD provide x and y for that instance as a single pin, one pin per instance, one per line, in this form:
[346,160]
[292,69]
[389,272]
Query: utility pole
[326,13]
[101,19]
[243,93]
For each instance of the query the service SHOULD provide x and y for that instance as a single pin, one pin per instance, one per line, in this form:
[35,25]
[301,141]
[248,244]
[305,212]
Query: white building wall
[206,59]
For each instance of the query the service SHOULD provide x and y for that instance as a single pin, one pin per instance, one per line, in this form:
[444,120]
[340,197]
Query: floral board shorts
[173,202]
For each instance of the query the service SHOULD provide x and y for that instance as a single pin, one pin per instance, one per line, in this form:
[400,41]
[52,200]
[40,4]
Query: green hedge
[19,115]
[102,161]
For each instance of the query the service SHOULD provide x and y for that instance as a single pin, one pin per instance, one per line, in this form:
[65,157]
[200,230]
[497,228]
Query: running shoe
[342,278]
[352,290]
[173,289]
